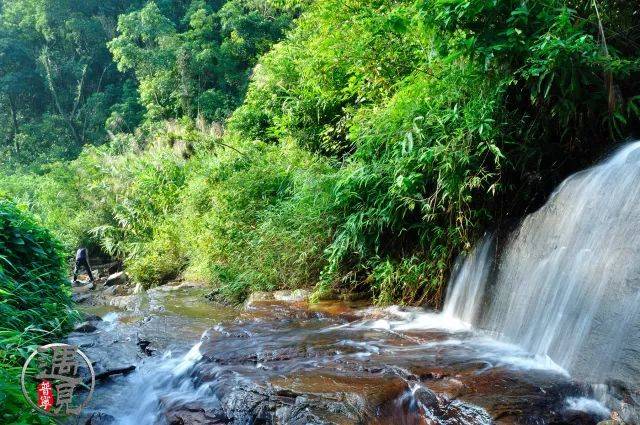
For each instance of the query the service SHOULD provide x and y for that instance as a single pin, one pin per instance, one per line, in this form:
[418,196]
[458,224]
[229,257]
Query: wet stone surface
[277,362]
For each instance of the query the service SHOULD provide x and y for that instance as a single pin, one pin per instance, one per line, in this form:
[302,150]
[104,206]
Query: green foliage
[375,142]
[447,113]
[309,87]
[66,68]
[246,220]
[197,67]
[420,189]
[139,230]
[56,77]
[117,204]
[34,302]
[69,198]
[258,221]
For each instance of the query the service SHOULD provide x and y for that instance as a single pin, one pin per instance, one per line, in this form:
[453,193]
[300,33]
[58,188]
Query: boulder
[92,318]
[100,418]
[127,302]
[114,267]
[118,278]
[117,290]
[81,298]
[297,295]
[84,288]
[193,414]
[115,371]
[139,289]
[258,297]
[175,286]
[85,327]
[144,346]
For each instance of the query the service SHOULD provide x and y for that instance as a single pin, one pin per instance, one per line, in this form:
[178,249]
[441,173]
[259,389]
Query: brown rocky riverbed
[279,360]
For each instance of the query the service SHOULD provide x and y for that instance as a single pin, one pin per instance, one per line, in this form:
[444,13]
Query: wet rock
[576,417]
[85,327]
[81,298]
[310,409]
[175,286]
[100,418]
[216,296]
[266,405]
[279,363]
[92,318]
[620,397]
[192,414]
[427,397]
[297,295]
[117,290]
[128,302]
[144,346]
[115,371]
[118,278]
[114,267]
[82,289]
[257,297]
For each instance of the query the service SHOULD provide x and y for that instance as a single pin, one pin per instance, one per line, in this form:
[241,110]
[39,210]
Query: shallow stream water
[331,363]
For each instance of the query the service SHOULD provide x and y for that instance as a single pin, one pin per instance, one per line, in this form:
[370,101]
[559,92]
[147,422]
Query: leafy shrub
[447,114]
[34,301]
[259,220]
[161,259]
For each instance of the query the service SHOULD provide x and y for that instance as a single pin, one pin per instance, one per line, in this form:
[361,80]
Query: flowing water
[466,290]
[567,284]
[561,302]
[331,363]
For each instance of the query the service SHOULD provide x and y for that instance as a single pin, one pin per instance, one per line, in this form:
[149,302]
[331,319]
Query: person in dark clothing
[82,260]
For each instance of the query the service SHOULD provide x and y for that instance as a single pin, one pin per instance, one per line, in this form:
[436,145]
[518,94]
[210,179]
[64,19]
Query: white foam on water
[587,405]
[188,360]
[397,318]
[166,377]
[111,317]
[433,321]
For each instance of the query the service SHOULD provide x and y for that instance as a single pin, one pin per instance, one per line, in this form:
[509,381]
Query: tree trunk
[14,126]
[68,119]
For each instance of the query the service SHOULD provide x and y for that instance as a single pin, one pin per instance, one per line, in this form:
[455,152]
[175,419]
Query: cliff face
[567,285]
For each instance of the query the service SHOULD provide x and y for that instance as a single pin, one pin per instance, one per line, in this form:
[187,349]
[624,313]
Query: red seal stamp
[45,395]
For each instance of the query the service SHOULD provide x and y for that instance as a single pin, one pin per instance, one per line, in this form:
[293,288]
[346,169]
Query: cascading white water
[468,282]
[568,280]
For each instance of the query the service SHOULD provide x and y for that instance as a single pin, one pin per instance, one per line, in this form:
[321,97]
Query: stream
[330,363]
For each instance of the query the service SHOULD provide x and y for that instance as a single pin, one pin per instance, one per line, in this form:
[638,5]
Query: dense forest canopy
[74,73]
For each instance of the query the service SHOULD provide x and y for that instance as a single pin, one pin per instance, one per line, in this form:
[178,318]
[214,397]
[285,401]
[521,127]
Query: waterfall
[469,278]
[567,284]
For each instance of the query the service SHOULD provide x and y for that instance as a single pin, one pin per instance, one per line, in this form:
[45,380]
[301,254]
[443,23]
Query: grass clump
[34,302]
[259,220]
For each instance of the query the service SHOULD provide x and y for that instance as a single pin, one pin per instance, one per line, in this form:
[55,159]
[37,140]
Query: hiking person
[82,260]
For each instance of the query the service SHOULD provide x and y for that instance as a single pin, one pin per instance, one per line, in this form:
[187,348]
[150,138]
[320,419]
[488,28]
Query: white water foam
[587,405]
[167,379]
